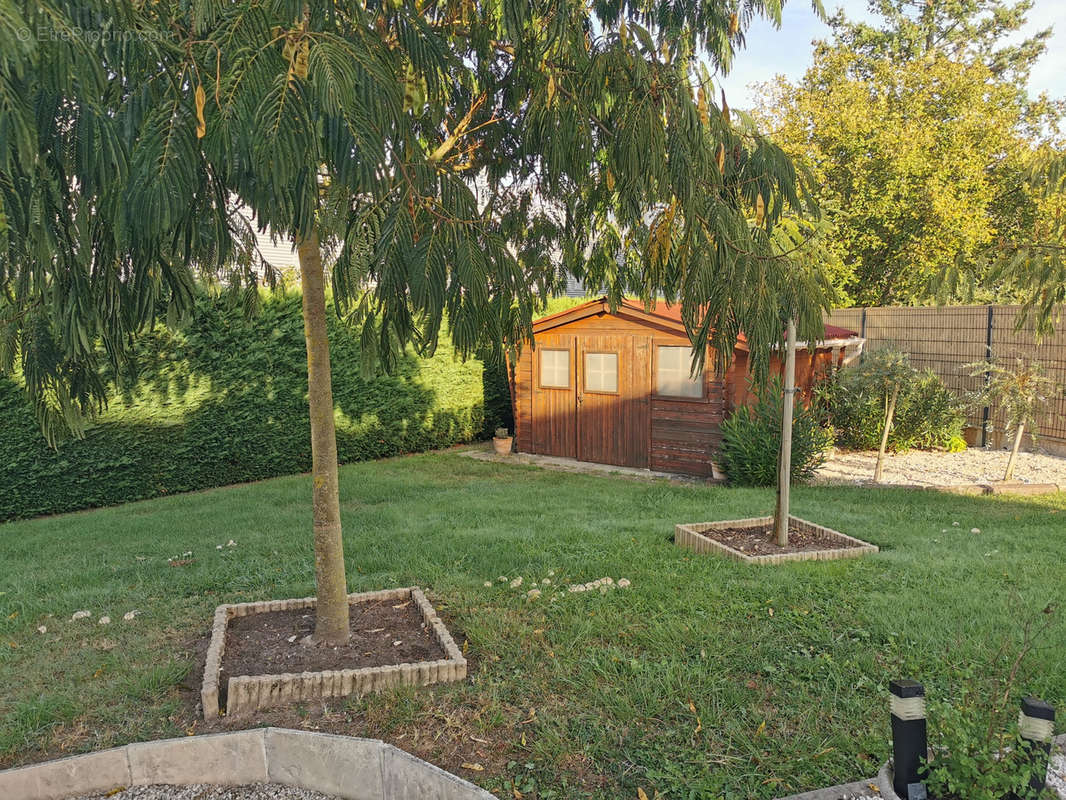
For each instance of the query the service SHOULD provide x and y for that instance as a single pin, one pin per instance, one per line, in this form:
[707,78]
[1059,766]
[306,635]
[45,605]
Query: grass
[706,678]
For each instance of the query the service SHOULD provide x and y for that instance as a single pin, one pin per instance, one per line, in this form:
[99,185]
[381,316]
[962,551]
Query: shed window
[601,372]
[555,369]
[673,378]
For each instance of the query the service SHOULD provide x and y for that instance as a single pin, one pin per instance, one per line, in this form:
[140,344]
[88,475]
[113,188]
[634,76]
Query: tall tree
[920,137]
[445,148]
[964,30]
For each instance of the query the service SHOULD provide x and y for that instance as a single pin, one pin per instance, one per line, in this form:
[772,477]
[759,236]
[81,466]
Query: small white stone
[488,584]
[397,643]
[955,524]
[105,620]
[516,582]
[230,543]
[292,639]
[81,615]
[42,629]
[975,530]
[218,547]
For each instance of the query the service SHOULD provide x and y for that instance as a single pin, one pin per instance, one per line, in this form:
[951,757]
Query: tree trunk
[331,615]
[890,412]
[784,463]
[1009,475]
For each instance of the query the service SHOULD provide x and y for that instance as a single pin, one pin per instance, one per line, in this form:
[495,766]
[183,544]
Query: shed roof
[666,316]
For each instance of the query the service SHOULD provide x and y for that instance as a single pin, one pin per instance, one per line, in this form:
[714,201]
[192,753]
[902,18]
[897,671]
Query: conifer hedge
[223,400]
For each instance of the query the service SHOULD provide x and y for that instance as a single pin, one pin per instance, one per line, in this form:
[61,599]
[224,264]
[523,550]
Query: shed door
[613,389]
[555,396]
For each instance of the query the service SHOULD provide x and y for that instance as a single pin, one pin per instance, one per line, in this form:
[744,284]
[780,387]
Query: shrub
[751,441]
[928,415]
[224,400]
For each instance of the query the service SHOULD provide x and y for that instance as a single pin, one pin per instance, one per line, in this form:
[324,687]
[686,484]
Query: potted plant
[502,442]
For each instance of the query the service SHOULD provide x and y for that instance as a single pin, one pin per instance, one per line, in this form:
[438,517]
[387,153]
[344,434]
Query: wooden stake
[784,463]
[1009,475]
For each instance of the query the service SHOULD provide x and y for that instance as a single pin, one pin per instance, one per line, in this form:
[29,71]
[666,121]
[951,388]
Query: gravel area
[922,468]
[1056,774]
[255,791]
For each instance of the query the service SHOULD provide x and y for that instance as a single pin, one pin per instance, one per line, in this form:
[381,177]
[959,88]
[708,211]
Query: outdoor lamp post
[1036,724]
[910,740]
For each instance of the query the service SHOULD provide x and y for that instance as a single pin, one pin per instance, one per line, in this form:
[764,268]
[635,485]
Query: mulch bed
[272,642]
[759,541]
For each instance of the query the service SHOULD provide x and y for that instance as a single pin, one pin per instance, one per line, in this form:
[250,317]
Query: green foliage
[929,166]
[979,754]
[447,151]
[751,440]
[971,764]
[223,400]
[928,415]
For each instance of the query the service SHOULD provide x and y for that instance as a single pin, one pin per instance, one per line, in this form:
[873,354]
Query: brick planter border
[690,536]
[248,693]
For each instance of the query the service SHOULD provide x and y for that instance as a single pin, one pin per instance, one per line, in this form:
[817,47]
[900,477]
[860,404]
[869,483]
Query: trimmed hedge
[224,401]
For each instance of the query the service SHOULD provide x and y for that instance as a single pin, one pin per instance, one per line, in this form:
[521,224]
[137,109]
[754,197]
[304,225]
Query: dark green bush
[928,415]
[224,401]
[751,441]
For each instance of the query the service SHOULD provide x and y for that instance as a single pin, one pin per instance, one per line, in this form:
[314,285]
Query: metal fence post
[986,412]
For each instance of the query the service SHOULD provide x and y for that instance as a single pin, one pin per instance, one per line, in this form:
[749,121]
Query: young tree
[446,149]
[808,250]
[886,371]
[1021,391]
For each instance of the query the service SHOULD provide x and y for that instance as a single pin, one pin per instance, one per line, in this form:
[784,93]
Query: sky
[787,51]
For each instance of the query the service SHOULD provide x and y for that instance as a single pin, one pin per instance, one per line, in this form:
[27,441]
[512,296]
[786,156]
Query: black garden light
[1036,724]
[910,740]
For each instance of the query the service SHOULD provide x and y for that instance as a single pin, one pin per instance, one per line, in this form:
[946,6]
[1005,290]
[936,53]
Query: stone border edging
[689,536]
[844,790]
[343,766]
[248,693]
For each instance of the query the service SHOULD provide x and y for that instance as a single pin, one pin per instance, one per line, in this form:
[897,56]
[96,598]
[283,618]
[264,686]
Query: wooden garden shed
[614,388]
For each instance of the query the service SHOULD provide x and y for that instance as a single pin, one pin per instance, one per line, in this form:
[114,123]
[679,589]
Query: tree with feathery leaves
[449,151]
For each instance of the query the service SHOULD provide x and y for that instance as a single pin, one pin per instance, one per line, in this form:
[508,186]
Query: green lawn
[590,695]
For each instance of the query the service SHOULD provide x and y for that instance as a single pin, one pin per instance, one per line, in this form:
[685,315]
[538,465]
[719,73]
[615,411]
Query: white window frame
[678,374]
[554,370]
[601,371]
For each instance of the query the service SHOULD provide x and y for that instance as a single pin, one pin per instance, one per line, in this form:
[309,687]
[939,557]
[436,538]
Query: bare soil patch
[272,642]
[759,541]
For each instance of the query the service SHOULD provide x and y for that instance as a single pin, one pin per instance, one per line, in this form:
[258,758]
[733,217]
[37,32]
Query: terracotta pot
[502,446]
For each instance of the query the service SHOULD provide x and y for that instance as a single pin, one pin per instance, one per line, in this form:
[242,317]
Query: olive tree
[1021,391]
